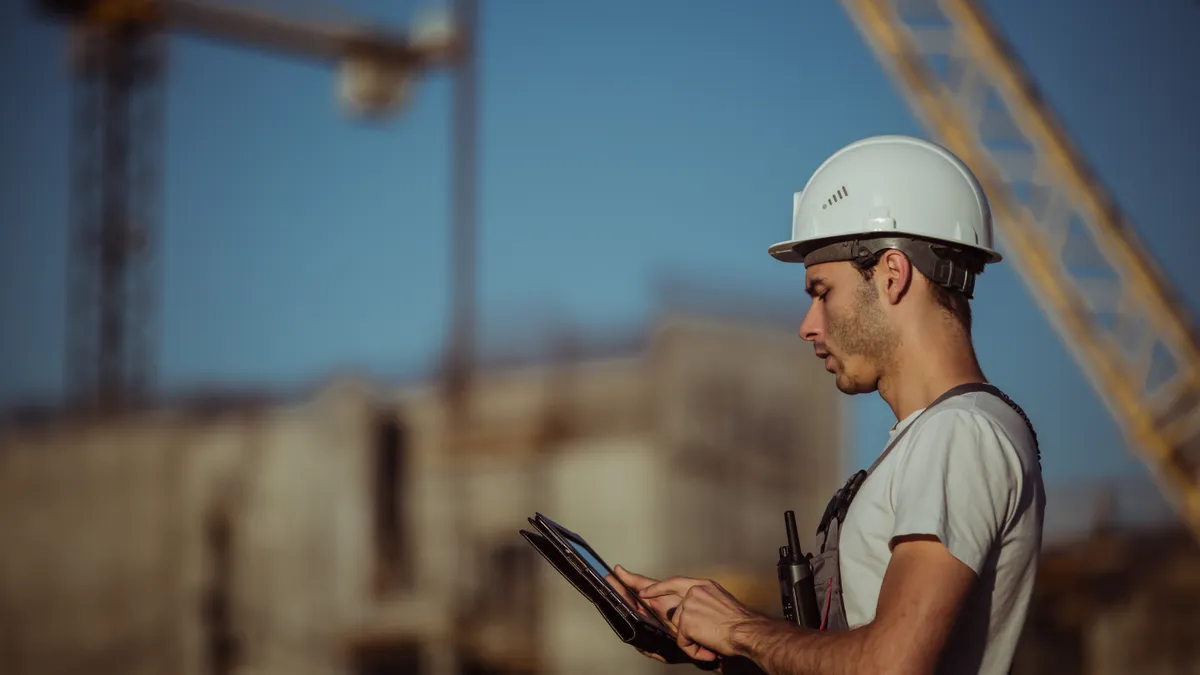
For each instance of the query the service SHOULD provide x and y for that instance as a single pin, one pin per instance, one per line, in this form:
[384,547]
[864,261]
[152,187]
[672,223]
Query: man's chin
[848,385]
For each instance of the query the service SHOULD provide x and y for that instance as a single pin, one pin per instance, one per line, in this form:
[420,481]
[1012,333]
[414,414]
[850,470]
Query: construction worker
[926,561]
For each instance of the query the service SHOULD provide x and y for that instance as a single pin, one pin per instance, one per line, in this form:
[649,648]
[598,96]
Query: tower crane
[118,64]
[1125,326]
[1116,312]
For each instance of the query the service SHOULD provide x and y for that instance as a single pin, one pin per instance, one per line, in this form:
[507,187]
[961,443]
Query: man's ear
[896,275]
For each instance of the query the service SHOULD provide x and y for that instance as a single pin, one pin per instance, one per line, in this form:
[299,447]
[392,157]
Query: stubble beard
[865,334]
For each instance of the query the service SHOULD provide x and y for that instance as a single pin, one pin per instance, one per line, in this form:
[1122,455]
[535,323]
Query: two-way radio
[796,587]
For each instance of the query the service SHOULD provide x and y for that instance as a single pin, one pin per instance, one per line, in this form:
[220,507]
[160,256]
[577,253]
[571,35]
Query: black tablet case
[631,629]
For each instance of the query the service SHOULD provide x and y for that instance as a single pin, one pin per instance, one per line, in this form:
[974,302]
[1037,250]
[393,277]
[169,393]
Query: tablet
[602,571]
[627,614]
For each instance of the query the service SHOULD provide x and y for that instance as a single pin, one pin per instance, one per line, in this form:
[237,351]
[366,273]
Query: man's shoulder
[995,433]
[984,412]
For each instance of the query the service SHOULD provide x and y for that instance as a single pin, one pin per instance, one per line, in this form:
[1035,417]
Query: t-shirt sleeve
[955,482]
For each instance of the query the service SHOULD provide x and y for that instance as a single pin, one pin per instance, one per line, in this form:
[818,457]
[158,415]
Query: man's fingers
[630,597]
[617,586]
[685,617]
[672,586]
[694,649]
[664,603]
[631,579]
[621,590]
[699,653]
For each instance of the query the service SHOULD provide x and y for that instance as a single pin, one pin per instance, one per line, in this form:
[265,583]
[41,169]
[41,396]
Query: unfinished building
[353,530]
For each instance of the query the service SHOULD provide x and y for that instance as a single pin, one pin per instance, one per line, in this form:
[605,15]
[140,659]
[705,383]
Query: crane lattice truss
[117,127]
[1071,243]
[117,137]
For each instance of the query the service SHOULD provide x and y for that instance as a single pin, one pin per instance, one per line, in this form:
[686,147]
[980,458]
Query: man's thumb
[625,575]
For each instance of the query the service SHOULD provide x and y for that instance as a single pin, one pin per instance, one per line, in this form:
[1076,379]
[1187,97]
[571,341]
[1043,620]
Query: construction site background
[367,524]
[339,533]
[334,532]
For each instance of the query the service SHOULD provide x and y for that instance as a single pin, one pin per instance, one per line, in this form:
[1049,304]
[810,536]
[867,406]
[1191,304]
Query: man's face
[847,326]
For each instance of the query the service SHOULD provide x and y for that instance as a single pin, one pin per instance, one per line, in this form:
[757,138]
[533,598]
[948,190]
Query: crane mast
[1074,248]
[117,129]
[116,140]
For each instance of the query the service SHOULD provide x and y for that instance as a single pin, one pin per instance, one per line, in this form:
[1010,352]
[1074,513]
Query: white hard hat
[894,192]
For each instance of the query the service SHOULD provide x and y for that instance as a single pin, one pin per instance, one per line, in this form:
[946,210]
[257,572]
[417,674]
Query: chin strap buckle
[951,275]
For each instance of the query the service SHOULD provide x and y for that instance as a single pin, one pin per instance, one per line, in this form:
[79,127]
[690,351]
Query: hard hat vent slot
[837,197]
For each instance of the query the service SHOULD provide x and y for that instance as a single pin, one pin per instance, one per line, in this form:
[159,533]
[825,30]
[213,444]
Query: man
[938,546]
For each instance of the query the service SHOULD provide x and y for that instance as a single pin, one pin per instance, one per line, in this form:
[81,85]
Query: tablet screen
[590,559]
[600,568]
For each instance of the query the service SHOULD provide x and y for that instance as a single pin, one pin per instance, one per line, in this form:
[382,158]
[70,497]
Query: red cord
[828,601]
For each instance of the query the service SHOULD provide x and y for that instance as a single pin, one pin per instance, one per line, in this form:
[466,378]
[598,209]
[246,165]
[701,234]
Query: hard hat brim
[785,251]
[793,251]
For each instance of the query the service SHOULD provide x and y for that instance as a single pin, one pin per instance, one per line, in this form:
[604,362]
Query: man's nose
[810,328]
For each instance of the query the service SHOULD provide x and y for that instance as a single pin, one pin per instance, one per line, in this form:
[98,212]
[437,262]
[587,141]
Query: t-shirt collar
[899,426]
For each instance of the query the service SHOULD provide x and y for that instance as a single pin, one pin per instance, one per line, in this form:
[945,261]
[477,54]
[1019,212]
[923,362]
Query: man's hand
[706,617]
[663,607]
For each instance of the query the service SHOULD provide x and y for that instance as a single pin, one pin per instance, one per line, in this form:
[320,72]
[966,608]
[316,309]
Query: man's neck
[927,364]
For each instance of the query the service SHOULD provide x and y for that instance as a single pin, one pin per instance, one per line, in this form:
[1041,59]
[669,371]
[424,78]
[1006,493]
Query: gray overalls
[826,571]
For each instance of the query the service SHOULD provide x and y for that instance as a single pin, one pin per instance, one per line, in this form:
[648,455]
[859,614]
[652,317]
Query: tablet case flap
[621,625]
[630,630]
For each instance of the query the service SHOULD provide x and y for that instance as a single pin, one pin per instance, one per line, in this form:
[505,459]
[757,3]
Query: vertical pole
[460,356]
[458,364]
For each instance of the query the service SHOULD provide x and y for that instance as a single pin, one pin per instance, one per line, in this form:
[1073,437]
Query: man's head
[892,230]
[862,311]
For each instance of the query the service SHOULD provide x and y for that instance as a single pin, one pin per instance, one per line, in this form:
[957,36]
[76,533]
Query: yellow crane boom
[1120,318]
[324,39]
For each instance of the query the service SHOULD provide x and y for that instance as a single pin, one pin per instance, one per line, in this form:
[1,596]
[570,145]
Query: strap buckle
[947,273]
[839,505]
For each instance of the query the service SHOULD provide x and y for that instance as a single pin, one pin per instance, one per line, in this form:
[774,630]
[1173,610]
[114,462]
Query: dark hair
[955,302]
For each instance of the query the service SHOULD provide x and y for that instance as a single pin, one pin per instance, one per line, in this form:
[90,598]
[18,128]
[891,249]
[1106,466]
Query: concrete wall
[607,491]
[112,557]
[127,541]
[751,426]
[1118,601]
[90,574]
[303,544]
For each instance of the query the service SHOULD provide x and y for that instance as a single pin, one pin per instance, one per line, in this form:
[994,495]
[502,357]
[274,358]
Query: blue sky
[621,140]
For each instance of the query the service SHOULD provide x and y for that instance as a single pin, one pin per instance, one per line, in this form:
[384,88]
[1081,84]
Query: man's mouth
[822,354]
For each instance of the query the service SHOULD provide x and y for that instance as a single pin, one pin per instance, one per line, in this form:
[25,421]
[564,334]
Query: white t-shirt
[968,474]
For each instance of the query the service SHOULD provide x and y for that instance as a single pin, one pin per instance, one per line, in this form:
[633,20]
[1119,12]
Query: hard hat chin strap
[943,265]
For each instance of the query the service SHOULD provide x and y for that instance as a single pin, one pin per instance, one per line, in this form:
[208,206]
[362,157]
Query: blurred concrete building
[351,532]
[1119,601]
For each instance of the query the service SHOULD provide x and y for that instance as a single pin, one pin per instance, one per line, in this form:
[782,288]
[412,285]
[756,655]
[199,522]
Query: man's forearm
[782,648]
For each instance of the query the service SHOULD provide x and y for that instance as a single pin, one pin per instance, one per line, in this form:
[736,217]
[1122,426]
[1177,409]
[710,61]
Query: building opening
[389,474]
[222,646]
[389,658]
